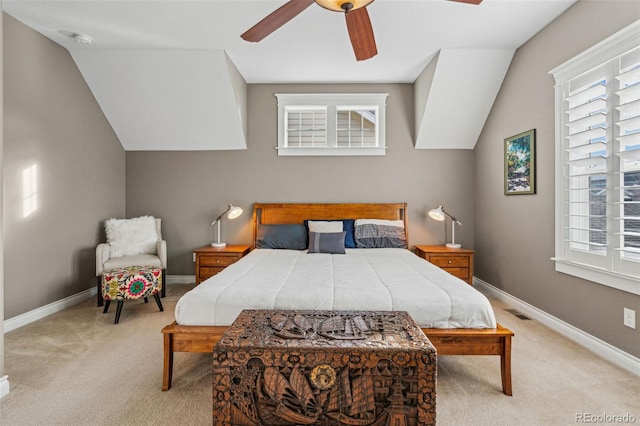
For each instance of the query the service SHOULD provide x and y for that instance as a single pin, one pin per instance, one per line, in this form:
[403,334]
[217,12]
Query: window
[331,124]
[598,163]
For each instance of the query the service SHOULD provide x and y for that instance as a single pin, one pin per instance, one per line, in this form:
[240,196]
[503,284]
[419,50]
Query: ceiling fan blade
[276,19]
[361,34]
[468,1]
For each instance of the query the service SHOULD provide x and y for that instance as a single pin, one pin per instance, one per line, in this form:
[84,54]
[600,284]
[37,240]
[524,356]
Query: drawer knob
[217,260]
[449,262]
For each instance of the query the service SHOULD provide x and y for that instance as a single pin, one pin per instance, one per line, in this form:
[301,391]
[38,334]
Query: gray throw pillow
[327,242]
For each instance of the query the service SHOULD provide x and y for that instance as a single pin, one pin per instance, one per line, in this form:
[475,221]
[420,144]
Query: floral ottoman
[131,283]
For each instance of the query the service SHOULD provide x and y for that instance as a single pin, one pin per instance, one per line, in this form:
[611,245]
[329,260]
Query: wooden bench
[493,341]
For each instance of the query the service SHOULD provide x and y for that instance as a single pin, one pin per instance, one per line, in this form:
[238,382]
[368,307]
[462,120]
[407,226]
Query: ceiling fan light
[336,5]
[82,39]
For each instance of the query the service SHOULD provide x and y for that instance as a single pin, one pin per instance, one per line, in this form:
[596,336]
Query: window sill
[618,281]
[331,151]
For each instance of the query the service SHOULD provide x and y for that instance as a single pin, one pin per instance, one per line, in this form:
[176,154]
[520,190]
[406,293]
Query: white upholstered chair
[109,255]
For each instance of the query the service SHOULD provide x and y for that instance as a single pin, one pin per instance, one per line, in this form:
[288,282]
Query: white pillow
[128,237]
[322,227]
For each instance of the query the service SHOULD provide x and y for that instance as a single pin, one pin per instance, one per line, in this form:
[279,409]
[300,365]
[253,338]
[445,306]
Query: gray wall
[51,119]
[515,234]
[188,189]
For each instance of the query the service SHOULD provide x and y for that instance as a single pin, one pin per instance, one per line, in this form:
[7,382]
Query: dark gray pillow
[292,237]
[327,242]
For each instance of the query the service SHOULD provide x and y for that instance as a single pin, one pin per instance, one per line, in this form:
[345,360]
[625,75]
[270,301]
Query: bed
[457,319]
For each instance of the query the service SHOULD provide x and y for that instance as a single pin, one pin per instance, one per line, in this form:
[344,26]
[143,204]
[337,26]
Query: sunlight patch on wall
[29,190]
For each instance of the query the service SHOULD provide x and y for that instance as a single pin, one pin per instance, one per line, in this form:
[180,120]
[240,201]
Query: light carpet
[76,367]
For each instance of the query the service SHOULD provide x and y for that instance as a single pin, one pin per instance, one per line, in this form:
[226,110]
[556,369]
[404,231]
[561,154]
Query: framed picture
[520,163]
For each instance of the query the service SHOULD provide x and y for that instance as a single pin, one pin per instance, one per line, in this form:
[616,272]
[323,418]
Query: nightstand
[211,260]
[456,261]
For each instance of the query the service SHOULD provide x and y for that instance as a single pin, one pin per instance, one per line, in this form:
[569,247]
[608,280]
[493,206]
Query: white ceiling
[312,48]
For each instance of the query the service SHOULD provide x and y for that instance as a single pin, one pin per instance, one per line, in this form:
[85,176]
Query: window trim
[332,101]
[601,53]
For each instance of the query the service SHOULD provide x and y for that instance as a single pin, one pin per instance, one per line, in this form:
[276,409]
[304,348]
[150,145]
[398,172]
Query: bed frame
[188,338]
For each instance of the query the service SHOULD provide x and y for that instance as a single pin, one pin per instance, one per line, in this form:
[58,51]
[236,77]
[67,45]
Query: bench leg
[505,366]
[164,282]
[167,371]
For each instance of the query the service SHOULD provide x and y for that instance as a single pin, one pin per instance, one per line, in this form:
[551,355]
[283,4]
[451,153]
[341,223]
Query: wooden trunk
[324,368]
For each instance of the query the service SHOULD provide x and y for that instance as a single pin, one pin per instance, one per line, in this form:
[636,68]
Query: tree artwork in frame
[520,163]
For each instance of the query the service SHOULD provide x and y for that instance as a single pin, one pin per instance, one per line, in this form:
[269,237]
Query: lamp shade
[234,211]
[437,214]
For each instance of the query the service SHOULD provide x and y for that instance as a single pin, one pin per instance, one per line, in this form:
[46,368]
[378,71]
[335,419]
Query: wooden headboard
[285,213]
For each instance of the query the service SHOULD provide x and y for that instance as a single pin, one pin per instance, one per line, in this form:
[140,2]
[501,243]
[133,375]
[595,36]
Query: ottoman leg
[118,311]
[158,301]
[99,286]
[106,306]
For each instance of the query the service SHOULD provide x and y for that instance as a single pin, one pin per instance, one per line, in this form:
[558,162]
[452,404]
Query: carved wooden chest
[324,368]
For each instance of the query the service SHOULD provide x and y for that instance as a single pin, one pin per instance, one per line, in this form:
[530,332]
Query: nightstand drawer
[218,260]
[450,261]
[462,273]
[206,272]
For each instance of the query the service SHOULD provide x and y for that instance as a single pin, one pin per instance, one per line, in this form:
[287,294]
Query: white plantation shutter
[586,174]
[627,185]
[598,162]
[306,127]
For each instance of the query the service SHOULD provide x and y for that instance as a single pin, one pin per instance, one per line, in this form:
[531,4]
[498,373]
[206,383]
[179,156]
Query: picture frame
[520,163]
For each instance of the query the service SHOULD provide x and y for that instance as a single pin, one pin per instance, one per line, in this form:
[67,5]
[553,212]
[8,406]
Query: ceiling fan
[357,17]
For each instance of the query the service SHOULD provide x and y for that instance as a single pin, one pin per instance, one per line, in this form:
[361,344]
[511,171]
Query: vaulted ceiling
[173,74]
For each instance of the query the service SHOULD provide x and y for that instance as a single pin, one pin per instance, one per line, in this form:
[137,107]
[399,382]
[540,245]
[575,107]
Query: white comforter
[363,279]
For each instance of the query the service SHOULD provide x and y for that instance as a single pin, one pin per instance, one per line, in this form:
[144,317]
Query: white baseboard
[4,386]
[600,347]
[181,279]
[39,313]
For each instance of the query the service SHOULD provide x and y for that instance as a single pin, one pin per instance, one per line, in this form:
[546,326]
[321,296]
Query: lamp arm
[453,219]
[220,217]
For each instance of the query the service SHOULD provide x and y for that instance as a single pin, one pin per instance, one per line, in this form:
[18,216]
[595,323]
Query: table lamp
[234,212]
[439,214]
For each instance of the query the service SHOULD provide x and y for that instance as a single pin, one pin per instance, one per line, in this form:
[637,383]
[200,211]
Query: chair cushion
[130,283]
[127,237]
[139,259]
